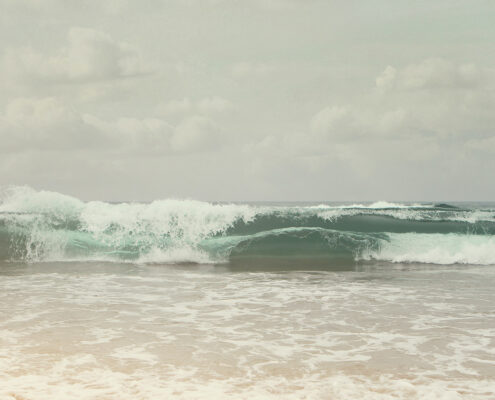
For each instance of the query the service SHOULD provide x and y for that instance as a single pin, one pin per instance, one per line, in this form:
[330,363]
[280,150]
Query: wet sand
[123,331]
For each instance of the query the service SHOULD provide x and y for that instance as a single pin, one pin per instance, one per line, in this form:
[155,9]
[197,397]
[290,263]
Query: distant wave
[48,226]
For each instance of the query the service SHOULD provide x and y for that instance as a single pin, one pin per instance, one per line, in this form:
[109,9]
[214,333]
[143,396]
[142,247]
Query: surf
[48,226]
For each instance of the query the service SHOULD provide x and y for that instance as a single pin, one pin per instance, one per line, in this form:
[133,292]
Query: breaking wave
[48,226]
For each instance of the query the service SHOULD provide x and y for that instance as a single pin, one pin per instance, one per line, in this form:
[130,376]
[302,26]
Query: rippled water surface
[123,331]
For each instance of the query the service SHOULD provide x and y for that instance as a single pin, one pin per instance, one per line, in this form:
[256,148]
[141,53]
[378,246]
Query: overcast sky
[249,99]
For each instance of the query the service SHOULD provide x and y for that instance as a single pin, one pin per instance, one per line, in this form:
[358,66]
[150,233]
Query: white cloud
[341,124]
[251,69]
[134,135]
[89,55]
[175,107]
[274,5]
[483,145]
[44,124]
[439,98]
[290,83]
[207,106]
[212,105]
[432,99]
[397,123]
[387,79]
[38,113]
[430,74]
[48,124]
[330,119]
[196,133]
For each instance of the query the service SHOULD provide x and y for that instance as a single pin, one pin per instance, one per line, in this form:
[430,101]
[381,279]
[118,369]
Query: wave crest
[47,226]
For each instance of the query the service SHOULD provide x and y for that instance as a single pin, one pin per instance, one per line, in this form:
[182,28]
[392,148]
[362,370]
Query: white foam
[179,224]
[383,205]
[102,383]
[436,249]
[186,333]
[170,231]
[411,214]
[183,254]
[23,199]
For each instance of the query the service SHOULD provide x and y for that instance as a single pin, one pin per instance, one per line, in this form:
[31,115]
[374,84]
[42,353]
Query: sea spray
[49,226]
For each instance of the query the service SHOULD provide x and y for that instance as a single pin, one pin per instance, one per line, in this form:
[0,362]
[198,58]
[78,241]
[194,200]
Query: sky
[232,100]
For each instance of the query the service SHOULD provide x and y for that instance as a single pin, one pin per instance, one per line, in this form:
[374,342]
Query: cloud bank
[264,100]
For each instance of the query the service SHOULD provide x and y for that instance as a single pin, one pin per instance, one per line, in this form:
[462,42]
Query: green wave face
[48,226]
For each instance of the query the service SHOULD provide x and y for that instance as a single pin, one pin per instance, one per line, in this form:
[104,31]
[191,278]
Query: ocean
[183,299]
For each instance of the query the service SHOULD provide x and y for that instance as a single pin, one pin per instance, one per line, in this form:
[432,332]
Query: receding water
[124,331]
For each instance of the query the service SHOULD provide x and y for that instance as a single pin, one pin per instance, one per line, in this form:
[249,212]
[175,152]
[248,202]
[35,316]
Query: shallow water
[124,331]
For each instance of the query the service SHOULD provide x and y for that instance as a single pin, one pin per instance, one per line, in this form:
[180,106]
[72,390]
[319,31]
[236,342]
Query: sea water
[193,300]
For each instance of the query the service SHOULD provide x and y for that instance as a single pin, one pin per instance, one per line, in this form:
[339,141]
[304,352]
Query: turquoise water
[46,226]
